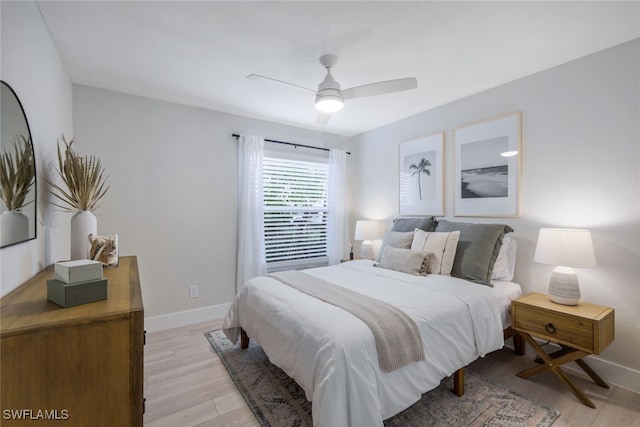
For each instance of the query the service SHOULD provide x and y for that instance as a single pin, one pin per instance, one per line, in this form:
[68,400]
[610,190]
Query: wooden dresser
[75,366]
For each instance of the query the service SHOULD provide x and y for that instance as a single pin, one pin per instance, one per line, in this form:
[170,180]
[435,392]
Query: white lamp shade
[367,230]
[565,247]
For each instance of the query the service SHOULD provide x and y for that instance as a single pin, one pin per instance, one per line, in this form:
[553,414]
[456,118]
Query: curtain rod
[236,136]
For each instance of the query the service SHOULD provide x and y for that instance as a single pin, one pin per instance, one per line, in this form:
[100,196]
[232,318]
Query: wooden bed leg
[458,382]
[519,344]
[244,339]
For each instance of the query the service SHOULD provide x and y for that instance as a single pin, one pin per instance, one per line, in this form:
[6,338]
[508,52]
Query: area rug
[278,401]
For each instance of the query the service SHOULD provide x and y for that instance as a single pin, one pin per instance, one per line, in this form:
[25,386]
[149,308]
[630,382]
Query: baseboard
[611,372]
[183,318]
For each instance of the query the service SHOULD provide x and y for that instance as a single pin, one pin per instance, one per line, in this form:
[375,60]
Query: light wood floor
[187,385]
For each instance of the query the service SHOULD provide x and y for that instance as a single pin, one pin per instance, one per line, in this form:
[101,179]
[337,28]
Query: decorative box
[82,270]
[70,294]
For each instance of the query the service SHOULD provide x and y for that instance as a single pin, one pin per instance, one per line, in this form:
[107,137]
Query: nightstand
[580,330]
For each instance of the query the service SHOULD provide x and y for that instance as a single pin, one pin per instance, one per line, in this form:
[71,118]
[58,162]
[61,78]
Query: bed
[332,354]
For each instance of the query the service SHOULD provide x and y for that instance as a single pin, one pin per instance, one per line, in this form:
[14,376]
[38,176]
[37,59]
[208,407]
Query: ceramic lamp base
[366,250]
[563,286]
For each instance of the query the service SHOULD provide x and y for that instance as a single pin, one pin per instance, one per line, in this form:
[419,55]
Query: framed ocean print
[488,163]
[422,175]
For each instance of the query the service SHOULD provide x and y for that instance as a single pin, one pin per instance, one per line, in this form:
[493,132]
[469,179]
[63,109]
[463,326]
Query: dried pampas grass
[17,173]
[83,177]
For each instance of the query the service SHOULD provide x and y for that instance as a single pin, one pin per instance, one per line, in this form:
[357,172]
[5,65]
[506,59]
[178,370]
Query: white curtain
[251,253]
[337,224]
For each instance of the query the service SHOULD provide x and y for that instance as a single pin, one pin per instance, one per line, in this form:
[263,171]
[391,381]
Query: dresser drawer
[587,327]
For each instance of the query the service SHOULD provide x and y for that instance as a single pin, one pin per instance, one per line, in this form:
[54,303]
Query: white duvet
[332,355]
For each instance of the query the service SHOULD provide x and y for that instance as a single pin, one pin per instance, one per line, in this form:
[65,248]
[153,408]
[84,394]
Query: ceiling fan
[330,97]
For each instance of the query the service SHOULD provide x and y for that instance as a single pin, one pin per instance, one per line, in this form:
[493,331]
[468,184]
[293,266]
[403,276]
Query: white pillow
[442,245]
[505,264]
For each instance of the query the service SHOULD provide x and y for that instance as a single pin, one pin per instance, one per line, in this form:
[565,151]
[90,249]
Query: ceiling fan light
[329,103]
[509,153]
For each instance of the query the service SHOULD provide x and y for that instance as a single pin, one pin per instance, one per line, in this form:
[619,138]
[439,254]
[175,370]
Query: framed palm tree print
[488,159]
[422,175]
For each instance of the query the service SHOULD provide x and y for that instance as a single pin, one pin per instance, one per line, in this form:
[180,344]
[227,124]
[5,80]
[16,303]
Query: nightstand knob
[550,328]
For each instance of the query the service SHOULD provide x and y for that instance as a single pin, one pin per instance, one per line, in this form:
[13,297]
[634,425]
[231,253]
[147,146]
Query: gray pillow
[405,260]
[427,223]
[478,249]
[395,239]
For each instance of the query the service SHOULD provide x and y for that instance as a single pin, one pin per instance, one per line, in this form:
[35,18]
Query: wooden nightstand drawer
[573,331]
[585,326]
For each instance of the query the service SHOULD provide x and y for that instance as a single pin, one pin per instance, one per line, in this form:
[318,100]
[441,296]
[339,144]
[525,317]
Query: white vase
[14,227]
[83,223]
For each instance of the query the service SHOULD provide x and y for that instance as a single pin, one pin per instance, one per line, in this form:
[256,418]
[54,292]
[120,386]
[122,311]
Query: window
[295,212]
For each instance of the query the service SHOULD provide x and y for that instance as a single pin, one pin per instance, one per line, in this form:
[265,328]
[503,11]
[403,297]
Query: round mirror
[17,173]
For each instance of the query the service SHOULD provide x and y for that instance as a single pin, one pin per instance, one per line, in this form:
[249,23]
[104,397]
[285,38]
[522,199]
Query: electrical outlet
[193,292]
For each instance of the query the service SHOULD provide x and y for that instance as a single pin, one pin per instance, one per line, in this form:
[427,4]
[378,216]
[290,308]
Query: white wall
[32,67]
[581,162]
[173,197]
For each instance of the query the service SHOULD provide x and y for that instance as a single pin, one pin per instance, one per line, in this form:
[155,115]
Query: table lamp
[566,249]
[367,230]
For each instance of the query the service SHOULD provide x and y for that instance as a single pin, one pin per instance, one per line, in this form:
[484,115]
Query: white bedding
[331,354]
[505,292]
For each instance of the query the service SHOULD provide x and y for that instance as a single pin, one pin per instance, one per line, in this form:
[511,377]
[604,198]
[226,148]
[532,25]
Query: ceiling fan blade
[258,77]
[380,88]
[322,118]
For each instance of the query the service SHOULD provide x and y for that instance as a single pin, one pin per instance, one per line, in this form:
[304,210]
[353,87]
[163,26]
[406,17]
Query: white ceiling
[199,53]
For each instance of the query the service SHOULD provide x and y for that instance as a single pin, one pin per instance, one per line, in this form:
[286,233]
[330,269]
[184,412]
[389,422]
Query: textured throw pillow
[409,224]
[405,260]
[478,249]
[505,265]
[397,240]
[442,245]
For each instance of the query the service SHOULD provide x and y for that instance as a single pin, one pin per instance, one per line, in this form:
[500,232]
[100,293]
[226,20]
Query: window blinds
[295,212]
